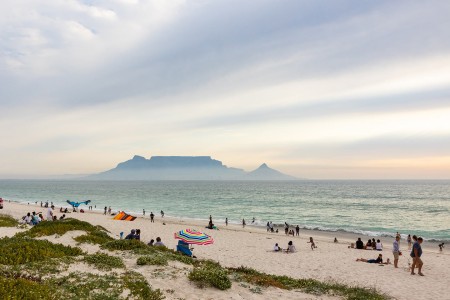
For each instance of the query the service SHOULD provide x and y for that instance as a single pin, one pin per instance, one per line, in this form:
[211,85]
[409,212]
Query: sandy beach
[251,247]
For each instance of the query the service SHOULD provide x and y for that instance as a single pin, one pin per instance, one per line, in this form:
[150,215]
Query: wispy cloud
[245,82]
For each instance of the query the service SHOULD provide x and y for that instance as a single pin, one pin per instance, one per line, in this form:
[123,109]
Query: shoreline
[343,237]
[340,234]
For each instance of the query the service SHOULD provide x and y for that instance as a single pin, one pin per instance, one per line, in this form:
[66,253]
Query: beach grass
[94,237]
[8,221]
[17,250]
[310,286]
[59,227]
[103,261]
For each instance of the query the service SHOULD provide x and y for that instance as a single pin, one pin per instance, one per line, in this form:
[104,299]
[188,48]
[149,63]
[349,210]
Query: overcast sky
[315,89]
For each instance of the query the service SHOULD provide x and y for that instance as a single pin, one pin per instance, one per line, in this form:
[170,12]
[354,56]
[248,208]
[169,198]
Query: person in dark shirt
[359,244]
[378,260]
[416,253]
[131,235]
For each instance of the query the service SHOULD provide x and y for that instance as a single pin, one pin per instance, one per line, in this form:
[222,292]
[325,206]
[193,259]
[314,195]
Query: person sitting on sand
[378,260]
[335,240]
[137,236]
[369,245]
[131,235]
[277,248]
[359,244]
[291,247]
[313,245]
[158,242]
[62,217]
[379,246]
[28,219]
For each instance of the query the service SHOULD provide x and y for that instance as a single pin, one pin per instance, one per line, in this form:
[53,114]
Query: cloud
[223,77]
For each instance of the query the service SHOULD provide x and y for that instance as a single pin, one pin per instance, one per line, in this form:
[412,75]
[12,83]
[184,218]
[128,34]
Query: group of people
[35,218]
[414,244]
[370,245]
[290,248]
[135,234]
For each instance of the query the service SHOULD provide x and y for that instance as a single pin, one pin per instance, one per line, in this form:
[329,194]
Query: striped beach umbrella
[192,236]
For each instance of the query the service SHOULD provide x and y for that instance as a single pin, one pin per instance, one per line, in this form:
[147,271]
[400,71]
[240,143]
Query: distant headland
[185,168]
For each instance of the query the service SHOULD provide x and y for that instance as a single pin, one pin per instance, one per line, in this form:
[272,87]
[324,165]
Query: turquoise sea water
[376,208]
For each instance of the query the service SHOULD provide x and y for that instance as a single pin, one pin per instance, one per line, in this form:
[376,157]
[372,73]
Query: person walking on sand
[152,217]
[162,214]
[243,223]
[416,254]
[396,250]
[408,239]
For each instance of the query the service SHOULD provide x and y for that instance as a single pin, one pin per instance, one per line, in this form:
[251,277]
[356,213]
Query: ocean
[373,208]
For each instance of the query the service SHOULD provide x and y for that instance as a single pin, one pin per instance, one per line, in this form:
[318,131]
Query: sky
[315,89]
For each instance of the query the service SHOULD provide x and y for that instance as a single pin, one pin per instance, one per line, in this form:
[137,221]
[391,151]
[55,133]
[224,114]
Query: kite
[76,204]
[123,216]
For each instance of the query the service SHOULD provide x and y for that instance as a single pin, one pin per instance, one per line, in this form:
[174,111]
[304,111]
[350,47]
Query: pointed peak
[264,166]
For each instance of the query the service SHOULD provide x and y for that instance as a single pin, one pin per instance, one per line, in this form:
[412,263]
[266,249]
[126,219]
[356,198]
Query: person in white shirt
[379,246]
[277,248]
[49,214]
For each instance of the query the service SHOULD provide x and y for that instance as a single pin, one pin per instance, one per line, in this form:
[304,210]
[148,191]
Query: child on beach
[277,248]
[313,245]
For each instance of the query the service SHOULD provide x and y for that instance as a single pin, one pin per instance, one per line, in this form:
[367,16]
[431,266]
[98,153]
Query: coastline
[340,234]
[251,247]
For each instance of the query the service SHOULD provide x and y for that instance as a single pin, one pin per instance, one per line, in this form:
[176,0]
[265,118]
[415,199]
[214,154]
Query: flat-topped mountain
[185,168]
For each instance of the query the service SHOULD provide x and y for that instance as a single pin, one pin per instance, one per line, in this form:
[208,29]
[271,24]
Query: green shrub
[124,245]
[210,274]
[7,221]
[60,227]
[94,237]
[169,254]
[19,288]
[103,261]
[139,287]
[159,260]
[16,250]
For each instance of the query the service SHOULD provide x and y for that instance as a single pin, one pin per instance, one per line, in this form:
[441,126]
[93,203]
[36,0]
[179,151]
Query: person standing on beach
[243,223]
[226,221]
[49,214]
[152,217]
[297,230]
[162,214]
[106,208]
[408,239]
[416,254]
[143,211]
[396,250]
